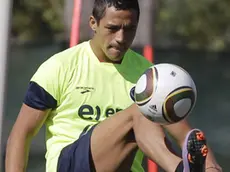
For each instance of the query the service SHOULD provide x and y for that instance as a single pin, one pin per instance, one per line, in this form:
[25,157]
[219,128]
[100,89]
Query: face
[114,33]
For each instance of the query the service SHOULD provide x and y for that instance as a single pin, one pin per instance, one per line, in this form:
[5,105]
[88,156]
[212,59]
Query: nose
[120,37]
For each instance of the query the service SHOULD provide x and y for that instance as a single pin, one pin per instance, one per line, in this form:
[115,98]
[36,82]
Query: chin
[115,54]
[116,58]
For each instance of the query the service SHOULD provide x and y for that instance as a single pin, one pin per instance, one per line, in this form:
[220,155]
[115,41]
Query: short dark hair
[101,5]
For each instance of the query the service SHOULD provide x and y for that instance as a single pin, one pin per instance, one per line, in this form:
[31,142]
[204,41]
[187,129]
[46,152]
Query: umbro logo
[85,89]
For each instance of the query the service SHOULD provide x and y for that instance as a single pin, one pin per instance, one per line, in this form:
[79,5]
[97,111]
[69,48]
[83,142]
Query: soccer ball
[165,93]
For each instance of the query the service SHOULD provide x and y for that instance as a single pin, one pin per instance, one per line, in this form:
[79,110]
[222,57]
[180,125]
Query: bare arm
[28,123]
[179,131]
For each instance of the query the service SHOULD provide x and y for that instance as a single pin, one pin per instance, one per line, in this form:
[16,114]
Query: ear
[93,23]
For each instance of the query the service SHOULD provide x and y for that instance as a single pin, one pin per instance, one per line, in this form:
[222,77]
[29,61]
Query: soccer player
[82,94]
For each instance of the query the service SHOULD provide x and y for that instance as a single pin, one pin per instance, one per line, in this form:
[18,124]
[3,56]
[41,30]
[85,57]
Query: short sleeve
[47,78]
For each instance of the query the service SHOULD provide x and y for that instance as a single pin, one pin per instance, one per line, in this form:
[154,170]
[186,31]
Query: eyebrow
[110,25]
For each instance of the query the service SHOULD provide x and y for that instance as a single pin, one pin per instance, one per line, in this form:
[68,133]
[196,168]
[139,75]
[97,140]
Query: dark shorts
[77,156]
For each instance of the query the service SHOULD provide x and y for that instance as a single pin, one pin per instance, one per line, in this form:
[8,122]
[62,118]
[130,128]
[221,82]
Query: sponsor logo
[88,112]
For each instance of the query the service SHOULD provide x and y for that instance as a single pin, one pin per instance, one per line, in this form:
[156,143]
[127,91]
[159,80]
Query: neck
[97,51]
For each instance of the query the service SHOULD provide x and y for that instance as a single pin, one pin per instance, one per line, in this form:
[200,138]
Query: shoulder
[66,59]
[71,54]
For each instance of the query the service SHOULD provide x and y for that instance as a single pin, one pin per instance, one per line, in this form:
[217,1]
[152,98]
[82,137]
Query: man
[83,96]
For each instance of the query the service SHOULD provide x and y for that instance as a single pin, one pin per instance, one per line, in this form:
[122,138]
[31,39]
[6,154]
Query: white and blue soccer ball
[165,93]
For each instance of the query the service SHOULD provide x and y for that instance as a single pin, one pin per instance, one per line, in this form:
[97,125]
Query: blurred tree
[197,24]
[34,19]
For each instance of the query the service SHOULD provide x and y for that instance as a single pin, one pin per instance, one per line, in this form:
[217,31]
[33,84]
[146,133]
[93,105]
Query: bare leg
[150,138]
[111,144]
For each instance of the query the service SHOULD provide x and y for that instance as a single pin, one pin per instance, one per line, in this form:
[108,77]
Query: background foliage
[34,19]
[196,24]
